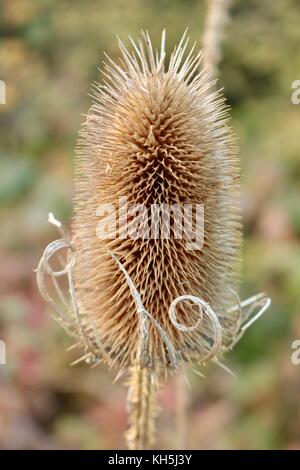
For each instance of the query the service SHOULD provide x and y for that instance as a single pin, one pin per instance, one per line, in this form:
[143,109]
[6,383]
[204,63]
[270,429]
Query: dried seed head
[156,134]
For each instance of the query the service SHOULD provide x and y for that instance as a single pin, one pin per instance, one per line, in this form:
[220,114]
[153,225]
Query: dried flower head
[155,135]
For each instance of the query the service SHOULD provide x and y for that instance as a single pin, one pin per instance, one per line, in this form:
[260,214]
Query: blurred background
[49,53]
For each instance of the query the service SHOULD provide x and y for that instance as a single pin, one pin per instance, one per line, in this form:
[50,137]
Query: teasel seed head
[157,133]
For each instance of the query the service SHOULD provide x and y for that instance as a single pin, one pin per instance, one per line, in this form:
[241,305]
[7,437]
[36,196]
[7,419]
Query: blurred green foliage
[49,53]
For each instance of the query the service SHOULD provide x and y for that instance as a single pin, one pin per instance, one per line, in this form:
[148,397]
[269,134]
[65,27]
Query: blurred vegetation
[49,52]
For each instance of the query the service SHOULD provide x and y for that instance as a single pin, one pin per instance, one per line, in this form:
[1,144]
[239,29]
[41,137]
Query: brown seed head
[156,134]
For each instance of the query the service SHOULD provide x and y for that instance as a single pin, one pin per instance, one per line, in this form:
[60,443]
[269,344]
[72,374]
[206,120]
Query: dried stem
[216,20]
[142,406]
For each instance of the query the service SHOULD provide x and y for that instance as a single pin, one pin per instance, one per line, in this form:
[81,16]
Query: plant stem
[142,408]
[216,19]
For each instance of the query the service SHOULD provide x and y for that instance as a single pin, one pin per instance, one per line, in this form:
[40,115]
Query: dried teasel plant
[216,19]
[156,134]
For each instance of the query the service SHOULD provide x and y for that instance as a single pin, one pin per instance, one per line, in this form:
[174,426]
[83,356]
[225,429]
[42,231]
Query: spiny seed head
[156,134]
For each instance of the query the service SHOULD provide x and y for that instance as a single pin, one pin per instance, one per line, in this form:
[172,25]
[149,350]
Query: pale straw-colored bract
[227,327]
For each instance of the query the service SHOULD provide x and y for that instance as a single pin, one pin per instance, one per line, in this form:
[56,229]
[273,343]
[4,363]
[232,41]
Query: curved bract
[157,136]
